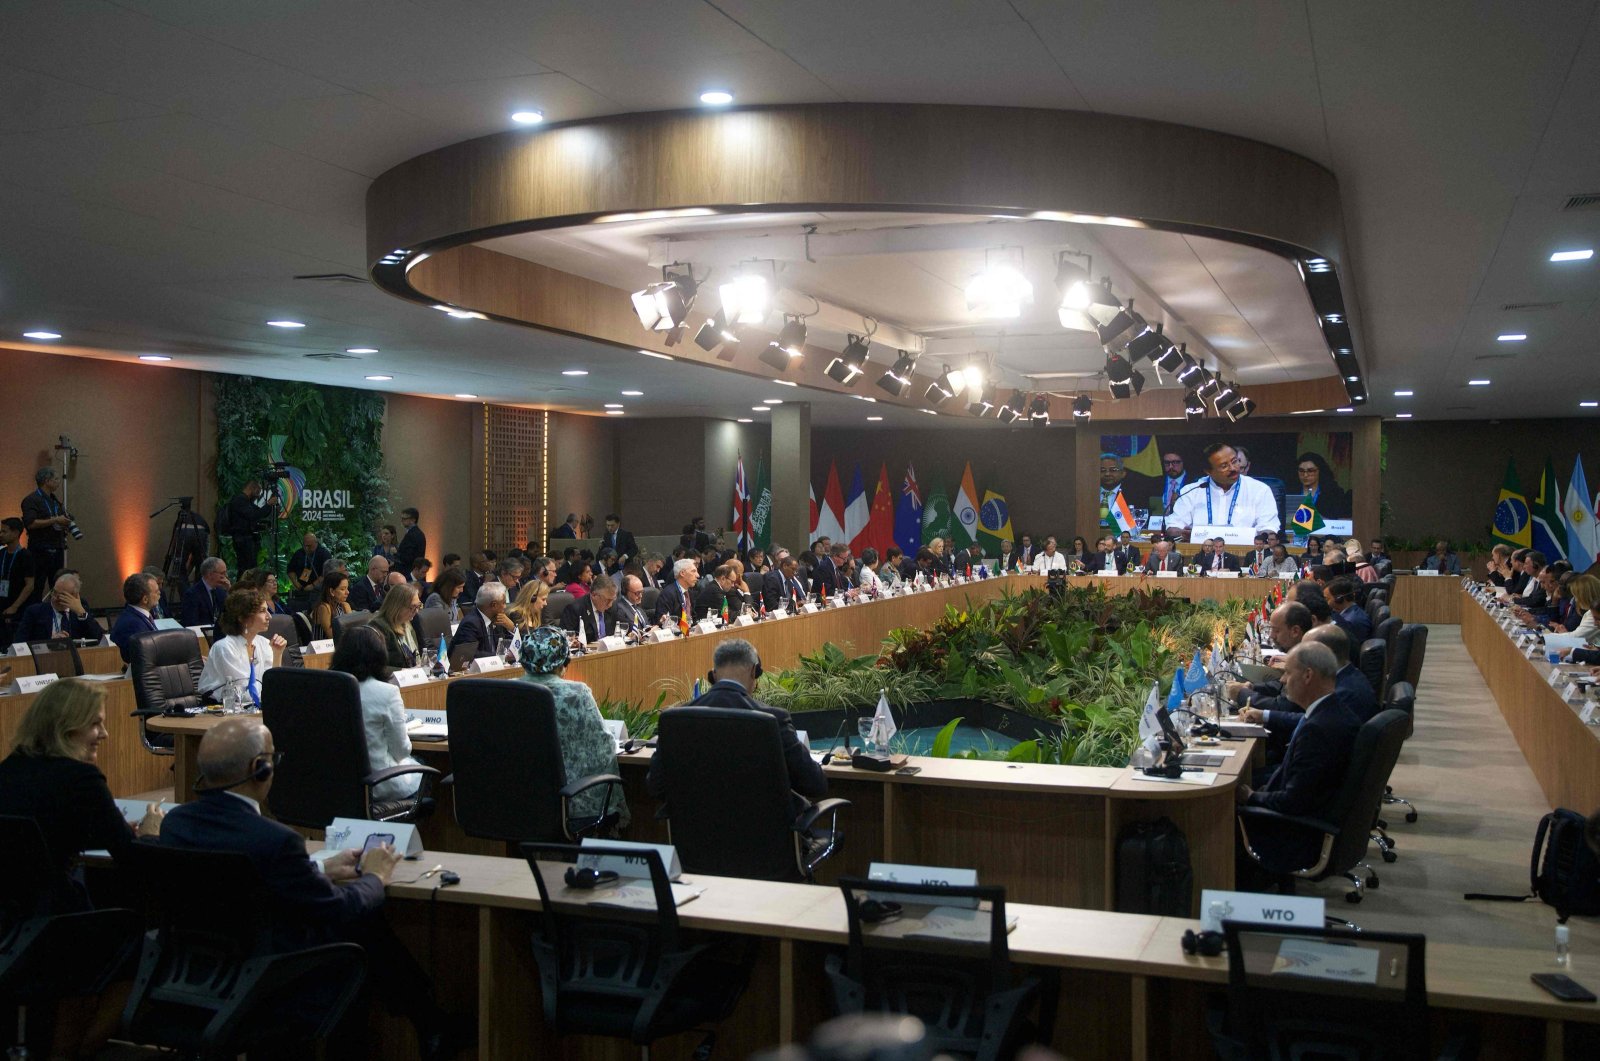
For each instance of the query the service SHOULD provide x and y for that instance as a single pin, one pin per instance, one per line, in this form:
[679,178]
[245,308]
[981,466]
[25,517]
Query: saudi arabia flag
[936,521]
[965,513]
[761,508]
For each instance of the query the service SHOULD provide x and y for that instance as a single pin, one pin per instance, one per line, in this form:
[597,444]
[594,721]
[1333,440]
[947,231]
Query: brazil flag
[994,523]
[1511,521]
[1307,520]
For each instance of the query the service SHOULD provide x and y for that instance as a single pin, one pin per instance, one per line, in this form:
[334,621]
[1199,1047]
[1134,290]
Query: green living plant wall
[332,439]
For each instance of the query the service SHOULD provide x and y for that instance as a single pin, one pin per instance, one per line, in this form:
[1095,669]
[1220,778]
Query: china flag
[880,525]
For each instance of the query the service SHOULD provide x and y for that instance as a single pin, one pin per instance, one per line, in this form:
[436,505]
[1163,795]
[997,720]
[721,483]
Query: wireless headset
[755,676]
[1205,944]
[261,768]
[586,877]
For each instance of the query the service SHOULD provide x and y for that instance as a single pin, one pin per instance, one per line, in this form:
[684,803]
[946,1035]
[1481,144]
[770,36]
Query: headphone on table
[261,768]
[586,877]
[1204,944]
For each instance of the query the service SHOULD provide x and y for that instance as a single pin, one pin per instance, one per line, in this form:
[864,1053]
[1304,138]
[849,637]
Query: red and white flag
[741,510]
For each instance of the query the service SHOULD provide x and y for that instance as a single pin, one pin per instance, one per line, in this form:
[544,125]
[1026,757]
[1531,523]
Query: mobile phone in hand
[376,840]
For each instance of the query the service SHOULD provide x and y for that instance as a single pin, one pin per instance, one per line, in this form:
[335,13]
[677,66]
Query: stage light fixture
[789,346]
[898,379]
[1082,407]
[1136,380]
[1148,343]
[983,399]
[1012,409]
[1227,394]
[664,306]
[747,298]
[1210,383]
[1193,407]
[1239,410]
[943,387]
[1000,291]
[849,365]
[1039,410]
[1171,358]
[1115,333]
[1191,372]
[1072,281]
[1103,302]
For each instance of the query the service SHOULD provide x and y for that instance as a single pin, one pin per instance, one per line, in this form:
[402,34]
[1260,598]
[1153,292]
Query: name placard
[1587,717]
[1166,574]
[487,664]
[657,635]
[617,728]
[32,683]
[836,602]
[1257,908]
[629,867]
[902,873]
[745,620]
[344,834]
[808,607]
[609,643]
[323,646]
[706,626]
[21,649]
[1425,573]
[1222,574]
[200,633]
[410,676]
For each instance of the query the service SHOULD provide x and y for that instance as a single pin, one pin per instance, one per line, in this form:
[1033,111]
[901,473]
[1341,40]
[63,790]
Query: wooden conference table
[1127,989]
[1562,752]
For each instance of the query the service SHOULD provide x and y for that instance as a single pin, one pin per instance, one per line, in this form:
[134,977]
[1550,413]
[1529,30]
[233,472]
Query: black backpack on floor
[1154,875]
[1565,872]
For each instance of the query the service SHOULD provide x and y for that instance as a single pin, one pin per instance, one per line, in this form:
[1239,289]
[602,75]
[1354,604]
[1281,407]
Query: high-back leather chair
[284,626]
[165,668]
[555,605]
[316,724]
[1373,662]
[435,623]
[1419,650]
[348,621]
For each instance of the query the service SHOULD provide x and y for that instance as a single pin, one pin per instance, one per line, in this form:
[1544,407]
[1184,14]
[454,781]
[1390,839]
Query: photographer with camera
[48,524]
[242,519]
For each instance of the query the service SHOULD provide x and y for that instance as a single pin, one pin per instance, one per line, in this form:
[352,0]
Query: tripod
[191,536]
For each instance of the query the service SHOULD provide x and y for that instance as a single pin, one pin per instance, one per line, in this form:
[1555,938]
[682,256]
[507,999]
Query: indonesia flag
[857,514]
[741,510]
[811,492]
[830,520]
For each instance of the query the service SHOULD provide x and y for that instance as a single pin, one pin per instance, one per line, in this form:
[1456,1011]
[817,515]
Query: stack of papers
[952,922]
[641,895]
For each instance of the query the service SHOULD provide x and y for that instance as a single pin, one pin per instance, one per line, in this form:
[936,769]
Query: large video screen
[1308,474]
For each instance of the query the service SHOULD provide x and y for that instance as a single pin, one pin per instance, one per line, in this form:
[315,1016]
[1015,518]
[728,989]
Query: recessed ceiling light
[528,117]
[1477,383]
[380,379]
[744,420]
[1345,409]
[361,350]
[466,396]
[1511,337]
[41,335]
[574,372]
[1573,256]
[716,97]
[154,357]
[773,401]
[786,382]
[1588,405]
[614,412]
[613,405]
[285,324]
[1402,416]
[652,353]
[1352,379]
[1403,394]
[874,418]
[633,394]
[761,408]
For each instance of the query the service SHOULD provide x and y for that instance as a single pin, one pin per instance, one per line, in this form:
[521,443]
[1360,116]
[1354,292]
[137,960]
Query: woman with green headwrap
[586,747]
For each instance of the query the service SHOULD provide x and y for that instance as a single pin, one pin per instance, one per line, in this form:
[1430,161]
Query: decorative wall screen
[515,476]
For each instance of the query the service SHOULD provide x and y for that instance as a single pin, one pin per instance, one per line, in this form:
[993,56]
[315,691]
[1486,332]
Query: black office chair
[165,666]
[1419,651]
[647,599]
[1402,696]
[1389,631]
[706,755]
[554,605]
[58,656]
[348,621]
[208,985]
[627,972]
[508,775]
[47,956]
[1380,616]
[284,626]
[305,633]
[939,953]
[1345,833]
[316,724]
[1375,600]
[1373,662]
[435,623]
[461,655]
[1278,1006]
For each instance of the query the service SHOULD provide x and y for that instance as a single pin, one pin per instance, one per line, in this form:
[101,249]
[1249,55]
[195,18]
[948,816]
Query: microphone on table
[828,756]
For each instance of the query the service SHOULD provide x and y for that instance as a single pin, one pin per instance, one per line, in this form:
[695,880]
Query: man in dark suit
[1026,552]
[719,593]
[1126,552]
[1531,595]
[784,585]
[828,572]
[735,670]
[243,516]
[1350,616]
[140,595]
[1281,716]
[620,540]
[61,614]
[202,602]
[478,566]
[485,623]
[366,594]
[629,607]
[595,614]
[413,543]
[309,907]
[1162,558]
[1290,622]
[568,529]
[677,598]
[1220,559]
[1313,767]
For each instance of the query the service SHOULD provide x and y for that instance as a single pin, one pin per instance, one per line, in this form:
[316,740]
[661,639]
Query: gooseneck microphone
[828,756]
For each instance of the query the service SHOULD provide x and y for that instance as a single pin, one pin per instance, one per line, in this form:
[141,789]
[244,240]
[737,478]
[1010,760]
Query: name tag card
[1587,717]
[629,867]
[427,718]
[617,728]
[32,683]
[1425,572]
[1554,677]
[1571,691]
[322,647]
[165,623]
[411,676]
[836,602]
[609,643]
[452,629]
[808,607]
[898,873]
[1223,574]
[706,626]
[487,665]
[657,635]
[200,633]
[1257,908]
[343,834]
[1166,574]
[745,620]
[20,649]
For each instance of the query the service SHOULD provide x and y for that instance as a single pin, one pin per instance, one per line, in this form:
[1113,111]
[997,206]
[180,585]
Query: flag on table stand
[964,524]
[1176,693]
[936,521]
[1121,514]
[741,510]
[883,727]
[1583,537]
[761,509]
[994,523]
[880,525]
[683,618]
[1307,520]
[1196,678]
[908,515]
[1549,529]
[857,513]
[830,518]
[816,514]
[1511,523]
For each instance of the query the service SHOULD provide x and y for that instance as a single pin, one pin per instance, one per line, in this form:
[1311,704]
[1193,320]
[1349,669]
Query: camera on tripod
[278,470]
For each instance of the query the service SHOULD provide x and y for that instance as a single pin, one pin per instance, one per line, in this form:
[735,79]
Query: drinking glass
[864,728]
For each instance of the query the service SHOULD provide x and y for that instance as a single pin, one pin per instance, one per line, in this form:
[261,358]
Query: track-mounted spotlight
[898,379]
[788,347]
[664,306]
[848,366]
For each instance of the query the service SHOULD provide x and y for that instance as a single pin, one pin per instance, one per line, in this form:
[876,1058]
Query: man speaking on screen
[1224,498]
